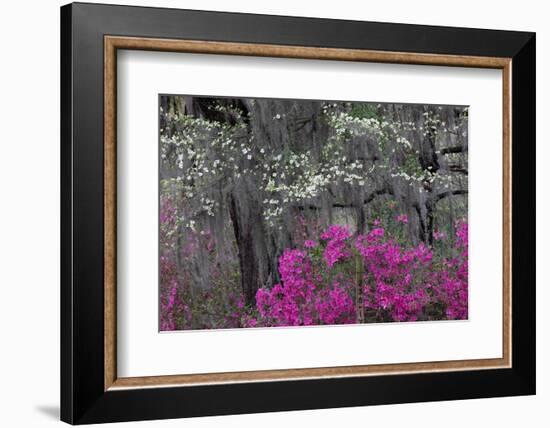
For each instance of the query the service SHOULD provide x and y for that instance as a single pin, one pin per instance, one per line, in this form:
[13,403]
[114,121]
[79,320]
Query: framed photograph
[265,213]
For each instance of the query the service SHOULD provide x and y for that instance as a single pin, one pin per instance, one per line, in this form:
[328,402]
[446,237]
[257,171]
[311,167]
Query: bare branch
[450,193]
[453,149]
[367,200]
[458,168]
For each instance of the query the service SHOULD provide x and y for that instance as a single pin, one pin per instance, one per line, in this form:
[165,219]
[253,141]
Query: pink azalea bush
[396,283]
[171,305]
[220,305]
[301,298]
[453,278]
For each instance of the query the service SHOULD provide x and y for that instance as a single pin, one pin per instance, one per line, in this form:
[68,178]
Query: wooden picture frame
[91,390]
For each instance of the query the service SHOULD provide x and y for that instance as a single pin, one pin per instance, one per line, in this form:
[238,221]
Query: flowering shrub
[218,305]
[171,305]
[453,279]
[336,247]
[321,285]
[397,281]
[301,298]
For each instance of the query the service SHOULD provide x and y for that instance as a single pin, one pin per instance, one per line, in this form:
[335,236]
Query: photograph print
[282,212]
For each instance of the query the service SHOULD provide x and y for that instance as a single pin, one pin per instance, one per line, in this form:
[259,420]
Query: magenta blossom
[396,283]
[335,250]
[310,244]
[402,218]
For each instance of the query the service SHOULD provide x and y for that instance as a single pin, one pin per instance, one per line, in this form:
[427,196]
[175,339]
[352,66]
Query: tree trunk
[254,262]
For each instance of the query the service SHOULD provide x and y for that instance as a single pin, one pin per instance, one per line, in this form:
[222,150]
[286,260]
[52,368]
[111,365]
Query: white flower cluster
[211,155]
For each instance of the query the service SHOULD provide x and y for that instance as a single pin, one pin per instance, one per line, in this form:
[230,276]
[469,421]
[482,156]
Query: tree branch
[367,200]
[457,168]
[453,149]
[443,195]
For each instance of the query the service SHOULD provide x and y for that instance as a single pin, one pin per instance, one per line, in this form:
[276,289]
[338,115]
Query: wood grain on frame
[112,43]
[507,213]
[109,197]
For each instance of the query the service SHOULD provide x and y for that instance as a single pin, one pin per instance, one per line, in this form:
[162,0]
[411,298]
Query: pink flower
[336,247]
[375,234]
[310,244]
[399,284]
[402,218]
[336,232]
[439,236]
